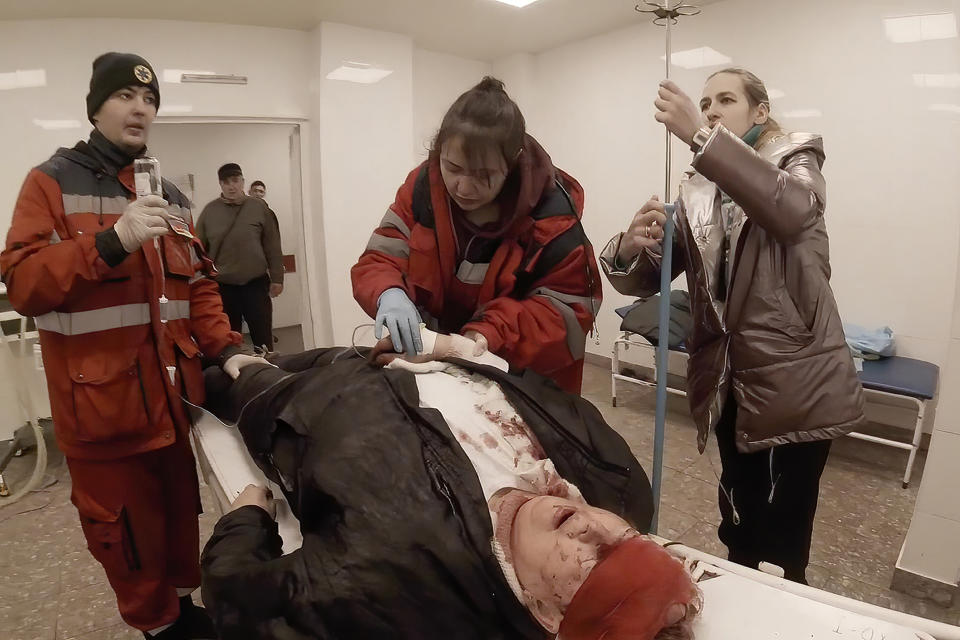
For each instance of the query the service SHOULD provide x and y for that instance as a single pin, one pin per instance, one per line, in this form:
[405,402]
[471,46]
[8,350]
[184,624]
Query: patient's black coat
[396,531]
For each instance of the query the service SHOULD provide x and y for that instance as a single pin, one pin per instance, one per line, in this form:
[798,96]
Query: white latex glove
[142,220]
[436,346]
[481,346]
[234,363]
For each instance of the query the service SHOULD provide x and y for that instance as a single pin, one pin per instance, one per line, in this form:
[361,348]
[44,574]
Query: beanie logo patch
[143,74]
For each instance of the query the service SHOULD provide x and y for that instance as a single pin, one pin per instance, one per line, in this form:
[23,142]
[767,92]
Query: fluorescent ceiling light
[213,78]
[803,113]
[57,124]
[774,94]
[697,58]
[517,3]
[937,80]
[950,108]
[933,26]
[359,72]
[167,109]
[23,79]
[175,76]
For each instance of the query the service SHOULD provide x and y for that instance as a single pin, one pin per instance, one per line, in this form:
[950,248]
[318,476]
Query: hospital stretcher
[909,379]
[738,602]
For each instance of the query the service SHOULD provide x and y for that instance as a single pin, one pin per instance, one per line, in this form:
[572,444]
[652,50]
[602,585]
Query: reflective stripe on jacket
[541,291]
[108,342]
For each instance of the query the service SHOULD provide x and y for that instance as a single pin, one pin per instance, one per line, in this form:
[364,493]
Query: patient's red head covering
[627,596]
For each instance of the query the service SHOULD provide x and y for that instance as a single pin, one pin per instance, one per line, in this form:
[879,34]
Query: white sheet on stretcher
[737,607]
[735,604]
[232,469]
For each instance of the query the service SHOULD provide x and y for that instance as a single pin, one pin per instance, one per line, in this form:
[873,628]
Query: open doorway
[189,155]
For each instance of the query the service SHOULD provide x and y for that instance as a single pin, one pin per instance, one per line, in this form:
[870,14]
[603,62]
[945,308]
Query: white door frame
[310,302]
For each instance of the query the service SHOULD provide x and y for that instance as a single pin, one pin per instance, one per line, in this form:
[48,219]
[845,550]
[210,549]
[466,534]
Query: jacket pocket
[176,257]
[109,536]
[109,395]
[188,363]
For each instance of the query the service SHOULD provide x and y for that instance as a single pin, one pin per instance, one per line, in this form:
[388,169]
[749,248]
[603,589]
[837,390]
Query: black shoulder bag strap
[227,234]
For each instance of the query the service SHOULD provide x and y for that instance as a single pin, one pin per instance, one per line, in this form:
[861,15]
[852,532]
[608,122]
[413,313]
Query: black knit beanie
[114,71]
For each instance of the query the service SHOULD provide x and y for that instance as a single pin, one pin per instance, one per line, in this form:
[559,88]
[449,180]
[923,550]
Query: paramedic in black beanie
[114,71]
[83,257]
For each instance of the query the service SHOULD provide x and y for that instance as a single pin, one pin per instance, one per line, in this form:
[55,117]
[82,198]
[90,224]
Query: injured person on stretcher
[440,499]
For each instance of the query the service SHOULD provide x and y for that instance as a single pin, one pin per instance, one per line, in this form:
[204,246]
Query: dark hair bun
[491,85]
[484,117]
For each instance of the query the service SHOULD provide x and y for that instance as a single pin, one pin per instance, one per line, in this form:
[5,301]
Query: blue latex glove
[397,312]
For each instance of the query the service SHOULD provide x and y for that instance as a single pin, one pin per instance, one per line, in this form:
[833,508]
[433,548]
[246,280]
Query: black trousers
[774,494]
[250,302]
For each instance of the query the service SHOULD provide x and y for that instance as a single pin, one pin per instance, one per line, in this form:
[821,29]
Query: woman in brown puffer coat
[769,368]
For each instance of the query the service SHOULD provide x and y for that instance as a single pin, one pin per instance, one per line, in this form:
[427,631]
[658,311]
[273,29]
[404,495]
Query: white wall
[366,143]
[359,144]
[274,60]
[263,152]
[438,80]
[590,104]
[594,121]
[518,73]
[932,545]
[892,171]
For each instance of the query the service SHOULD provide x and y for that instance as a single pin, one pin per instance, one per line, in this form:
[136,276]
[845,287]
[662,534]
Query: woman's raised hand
[645,231]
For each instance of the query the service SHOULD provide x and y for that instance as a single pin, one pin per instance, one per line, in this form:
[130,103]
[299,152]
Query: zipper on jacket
[441,485]
[738,251]
[99,176]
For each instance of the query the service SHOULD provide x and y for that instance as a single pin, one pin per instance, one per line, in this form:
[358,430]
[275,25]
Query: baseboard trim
[597,360]
[913,584]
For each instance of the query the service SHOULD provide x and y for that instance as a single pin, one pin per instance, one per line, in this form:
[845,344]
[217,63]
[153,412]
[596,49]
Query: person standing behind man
[242,237]
[258,189]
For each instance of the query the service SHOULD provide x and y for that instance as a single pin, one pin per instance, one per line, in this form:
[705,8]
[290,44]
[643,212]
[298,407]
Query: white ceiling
[478,29]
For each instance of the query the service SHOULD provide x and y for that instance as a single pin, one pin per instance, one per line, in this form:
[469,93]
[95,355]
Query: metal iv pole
[666,14]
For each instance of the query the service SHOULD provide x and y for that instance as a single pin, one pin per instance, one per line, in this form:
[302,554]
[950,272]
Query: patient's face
[556,543]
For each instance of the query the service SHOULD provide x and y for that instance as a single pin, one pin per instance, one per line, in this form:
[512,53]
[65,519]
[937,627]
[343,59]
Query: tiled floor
[50,587]
[862,516]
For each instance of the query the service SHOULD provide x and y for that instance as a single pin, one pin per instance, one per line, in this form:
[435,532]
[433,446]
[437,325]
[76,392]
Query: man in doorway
[243,239]
[122,333]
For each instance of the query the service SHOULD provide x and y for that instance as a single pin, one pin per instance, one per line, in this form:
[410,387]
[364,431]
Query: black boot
[176,631]
[196,621]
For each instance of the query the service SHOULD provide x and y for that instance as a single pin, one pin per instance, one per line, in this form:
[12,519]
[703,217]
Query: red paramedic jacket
[105,346]
[541,292]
